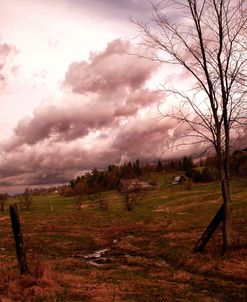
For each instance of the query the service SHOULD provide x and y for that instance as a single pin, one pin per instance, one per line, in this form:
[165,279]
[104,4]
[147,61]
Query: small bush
[188,185]
[130,200]
[206,175]
[3,199]
[153,182]
[103,203]
[78,201]
[26,199]
[196,175]
[100,199]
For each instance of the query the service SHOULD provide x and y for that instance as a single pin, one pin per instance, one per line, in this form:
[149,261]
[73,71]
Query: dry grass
[150,250]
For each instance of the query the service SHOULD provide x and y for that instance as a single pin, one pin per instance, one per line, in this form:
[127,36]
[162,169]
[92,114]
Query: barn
[133,185]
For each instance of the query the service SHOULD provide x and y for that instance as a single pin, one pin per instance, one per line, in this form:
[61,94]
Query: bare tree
[3,199]
[26,199]
[208,39]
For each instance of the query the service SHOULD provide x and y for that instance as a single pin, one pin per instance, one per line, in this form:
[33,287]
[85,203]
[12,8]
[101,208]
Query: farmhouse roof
[133,185]
[179,179]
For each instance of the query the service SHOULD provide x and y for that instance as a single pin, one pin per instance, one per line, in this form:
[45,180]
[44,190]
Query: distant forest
[202,170]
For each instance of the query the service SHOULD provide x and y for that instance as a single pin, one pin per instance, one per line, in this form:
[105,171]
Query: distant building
[133,185]
[180,179]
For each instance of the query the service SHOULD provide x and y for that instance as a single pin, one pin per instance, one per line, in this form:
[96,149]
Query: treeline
[238,163]
[104,180]
[205,170]
[43,191]
[202,170]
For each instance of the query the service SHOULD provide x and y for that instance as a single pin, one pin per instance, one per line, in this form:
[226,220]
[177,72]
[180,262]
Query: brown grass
[150,252]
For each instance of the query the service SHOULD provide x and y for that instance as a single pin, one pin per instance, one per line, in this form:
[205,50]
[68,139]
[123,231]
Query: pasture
[88,253]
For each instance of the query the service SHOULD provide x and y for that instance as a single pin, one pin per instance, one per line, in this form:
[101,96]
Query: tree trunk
[223,167]
[225,189]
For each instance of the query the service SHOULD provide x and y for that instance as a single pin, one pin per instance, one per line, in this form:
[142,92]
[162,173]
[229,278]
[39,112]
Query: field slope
[90,254]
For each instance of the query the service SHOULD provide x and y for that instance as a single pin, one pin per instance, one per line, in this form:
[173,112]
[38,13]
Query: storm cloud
[57,123]
[47,163]
[106,116]
[116,68]
[108,88]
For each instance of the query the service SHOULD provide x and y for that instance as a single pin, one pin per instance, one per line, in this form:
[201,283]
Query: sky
[72,94]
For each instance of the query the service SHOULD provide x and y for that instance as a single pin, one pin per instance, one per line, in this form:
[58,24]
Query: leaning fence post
[20,248]
[210,230]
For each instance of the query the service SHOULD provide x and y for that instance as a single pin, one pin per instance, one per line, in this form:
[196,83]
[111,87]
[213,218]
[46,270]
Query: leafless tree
[3,199]
[26,199]
[208,39]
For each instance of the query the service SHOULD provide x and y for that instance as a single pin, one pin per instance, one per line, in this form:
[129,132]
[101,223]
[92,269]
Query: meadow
[86,253]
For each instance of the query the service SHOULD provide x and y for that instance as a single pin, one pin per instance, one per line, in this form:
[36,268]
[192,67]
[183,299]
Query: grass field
[146,254]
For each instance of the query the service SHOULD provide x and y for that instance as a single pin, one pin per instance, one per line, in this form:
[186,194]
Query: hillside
[95,253]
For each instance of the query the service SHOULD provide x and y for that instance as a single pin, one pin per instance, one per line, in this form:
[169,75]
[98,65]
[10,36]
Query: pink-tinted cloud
[55,162]
[143,138]
[6,66]
[112,86]
[101,119]
[58,162]
[110,70]
[57,123]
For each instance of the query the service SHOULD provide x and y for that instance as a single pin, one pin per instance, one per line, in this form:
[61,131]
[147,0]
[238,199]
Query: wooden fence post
[20,248]
[210,230]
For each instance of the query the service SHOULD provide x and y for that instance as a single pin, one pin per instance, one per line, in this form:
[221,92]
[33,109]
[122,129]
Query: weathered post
[20,248]
[210,230]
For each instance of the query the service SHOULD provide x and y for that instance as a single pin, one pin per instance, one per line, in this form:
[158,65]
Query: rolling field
[90,254]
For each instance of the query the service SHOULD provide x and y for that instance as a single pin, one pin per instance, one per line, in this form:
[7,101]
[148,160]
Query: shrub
[3,199]
[78,201]
[129,200]
[103,203]
[208,175]
[26,199]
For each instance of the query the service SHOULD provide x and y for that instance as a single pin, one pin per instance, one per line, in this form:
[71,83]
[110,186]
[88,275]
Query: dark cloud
[55,163]
[110,87]
[101,121]
[112,70]
[46,164]
[58,123]
[144,138]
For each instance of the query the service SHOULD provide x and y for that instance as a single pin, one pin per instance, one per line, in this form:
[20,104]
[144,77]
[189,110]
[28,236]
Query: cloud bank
[106,115]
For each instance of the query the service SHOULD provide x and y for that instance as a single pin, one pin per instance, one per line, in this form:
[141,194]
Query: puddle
[93,263]
[98,258]
[101,258]
[97,254]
